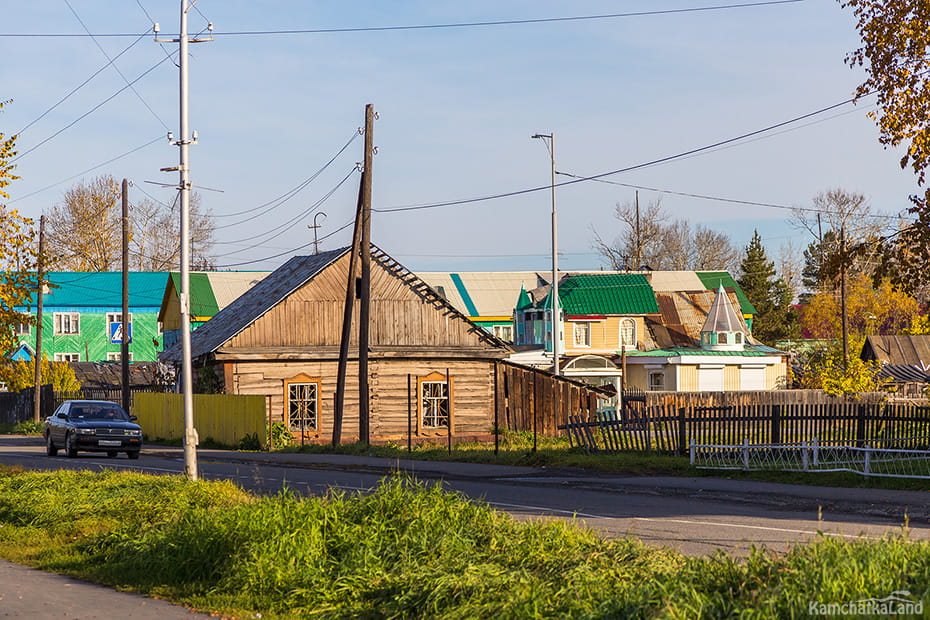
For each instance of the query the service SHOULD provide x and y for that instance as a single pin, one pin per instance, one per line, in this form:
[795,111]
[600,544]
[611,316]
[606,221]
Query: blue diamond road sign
[116,333]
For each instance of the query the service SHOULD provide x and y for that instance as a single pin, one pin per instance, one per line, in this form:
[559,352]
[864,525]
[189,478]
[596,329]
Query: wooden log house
[281,339]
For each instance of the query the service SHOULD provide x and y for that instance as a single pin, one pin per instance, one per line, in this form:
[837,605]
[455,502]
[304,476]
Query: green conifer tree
[770,295]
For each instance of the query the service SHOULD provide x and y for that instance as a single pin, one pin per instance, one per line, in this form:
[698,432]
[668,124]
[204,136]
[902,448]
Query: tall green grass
[406,551]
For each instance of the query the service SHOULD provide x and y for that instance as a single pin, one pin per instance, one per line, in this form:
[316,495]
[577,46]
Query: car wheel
[111,454]
[133,454]
[50,448]
[70,448]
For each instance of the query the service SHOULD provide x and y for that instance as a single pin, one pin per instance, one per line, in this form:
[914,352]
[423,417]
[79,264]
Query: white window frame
[114,356]
[435,411]
[67,357]
[581,334]
[116,317]
[23,329]
[67,323]
[504,332]
[624,322]
[656,386]
[303,406]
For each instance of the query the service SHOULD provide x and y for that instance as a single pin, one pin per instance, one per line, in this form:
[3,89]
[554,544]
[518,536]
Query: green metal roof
[76,289]
[750,351]
[613,293]
[714,279]
[203,301]
[523,301]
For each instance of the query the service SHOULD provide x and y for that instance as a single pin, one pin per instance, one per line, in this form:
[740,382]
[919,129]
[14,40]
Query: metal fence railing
[811,456]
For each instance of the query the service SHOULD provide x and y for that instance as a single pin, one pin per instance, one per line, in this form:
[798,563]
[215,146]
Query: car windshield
[98,412]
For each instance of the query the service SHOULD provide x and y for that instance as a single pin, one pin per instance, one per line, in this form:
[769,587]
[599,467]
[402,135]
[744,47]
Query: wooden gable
[405,316]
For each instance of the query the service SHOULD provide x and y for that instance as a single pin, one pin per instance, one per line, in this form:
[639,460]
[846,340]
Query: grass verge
[406,551]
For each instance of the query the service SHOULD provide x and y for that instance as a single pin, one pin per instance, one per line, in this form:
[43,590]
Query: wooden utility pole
[40,284]
[843,296]
[364,312]
[353,289]
[126,333]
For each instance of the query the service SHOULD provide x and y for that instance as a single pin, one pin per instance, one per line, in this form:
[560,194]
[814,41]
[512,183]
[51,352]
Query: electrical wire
[478,24]
[107,56]
[291,251]
[654,162]
[719,199]
[80,86]
[89,112]
[91,169]
[286,226]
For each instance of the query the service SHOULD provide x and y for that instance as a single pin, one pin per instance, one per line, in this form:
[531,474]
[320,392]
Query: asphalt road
[695,519]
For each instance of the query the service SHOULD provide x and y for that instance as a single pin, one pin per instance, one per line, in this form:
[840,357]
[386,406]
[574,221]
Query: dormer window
[722,338]
[739,338]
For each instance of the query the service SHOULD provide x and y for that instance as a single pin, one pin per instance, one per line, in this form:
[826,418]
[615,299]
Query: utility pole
[315,227]
[364,312]
[124,341]
[184,188]
[40,286]
[638,261]
[843,296]
[554,289]
[354,290]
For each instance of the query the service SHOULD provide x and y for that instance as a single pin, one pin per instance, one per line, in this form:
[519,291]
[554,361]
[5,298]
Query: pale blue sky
[457,107]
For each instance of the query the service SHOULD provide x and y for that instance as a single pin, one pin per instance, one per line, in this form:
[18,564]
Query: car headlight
[134,433]
[85,431]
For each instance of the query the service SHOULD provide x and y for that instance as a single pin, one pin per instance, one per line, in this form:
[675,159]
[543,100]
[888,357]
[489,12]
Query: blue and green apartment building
[82,317]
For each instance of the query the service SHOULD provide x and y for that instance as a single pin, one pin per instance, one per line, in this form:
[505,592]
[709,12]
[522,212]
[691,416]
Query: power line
[91,169]
[291,192]
[284,227]
[302,247]
[478,24]
[107,56]
[654,162]
[81,85]
[91,111]
[719,199]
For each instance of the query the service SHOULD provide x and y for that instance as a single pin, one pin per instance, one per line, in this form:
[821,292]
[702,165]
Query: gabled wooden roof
[255,302]
[264,297]
[898,350]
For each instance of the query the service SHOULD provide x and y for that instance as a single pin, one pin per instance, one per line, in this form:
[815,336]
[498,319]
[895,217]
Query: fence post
[682,440]
[867,465]
[776,424]
[816,444]
[745,453]
[805,447]
[860,425]
[691,454]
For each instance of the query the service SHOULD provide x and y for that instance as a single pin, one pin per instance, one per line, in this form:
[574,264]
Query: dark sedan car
[92,426]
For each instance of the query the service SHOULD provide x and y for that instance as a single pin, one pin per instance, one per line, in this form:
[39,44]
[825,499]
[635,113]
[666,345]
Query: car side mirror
[133,418]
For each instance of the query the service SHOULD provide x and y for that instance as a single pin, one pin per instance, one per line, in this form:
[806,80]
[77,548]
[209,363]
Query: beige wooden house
[430,367]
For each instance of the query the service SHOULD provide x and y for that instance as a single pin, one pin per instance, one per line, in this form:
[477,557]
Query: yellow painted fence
[225,418]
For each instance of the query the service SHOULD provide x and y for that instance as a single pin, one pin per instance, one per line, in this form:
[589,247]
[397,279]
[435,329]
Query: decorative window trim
[114,356]
[583,329]
[652,387]
[304,380]
[722,338]
[504,332]
[67,323]
[627,321]
[433,378]
[66,357]
[23,329]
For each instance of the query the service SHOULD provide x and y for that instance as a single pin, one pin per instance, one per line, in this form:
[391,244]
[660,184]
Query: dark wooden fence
[528,399]
[671,429]
[16,407]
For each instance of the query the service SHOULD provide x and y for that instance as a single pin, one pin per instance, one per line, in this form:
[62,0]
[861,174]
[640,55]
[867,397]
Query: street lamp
[549,140]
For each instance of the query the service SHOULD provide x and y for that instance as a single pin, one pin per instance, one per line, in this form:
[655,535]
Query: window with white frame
[656,381]
[581,334]
[117,357]
[434,402]
[504,332]
[23,329]
[303,401]
[722,338]
[67,323]
[116,318]
[67,357]
[628,333]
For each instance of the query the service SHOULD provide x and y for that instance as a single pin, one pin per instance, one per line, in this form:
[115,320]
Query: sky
[457,108]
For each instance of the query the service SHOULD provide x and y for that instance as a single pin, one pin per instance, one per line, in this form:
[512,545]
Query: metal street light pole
[554,290]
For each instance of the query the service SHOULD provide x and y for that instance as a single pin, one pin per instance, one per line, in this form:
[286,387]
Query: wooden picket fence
[667,429]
